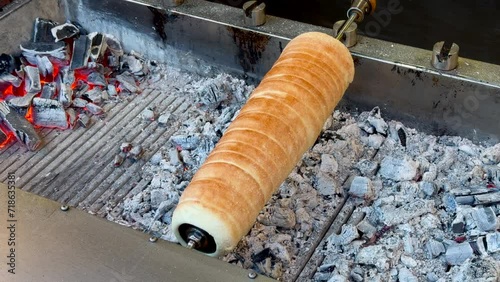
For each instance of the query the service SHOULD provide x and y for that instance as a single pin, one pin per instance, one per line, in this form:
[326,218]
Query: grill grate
[75,167]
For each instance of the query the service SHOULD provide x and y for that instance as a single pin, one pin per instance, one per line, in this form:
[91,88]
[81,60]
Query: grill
[198,40]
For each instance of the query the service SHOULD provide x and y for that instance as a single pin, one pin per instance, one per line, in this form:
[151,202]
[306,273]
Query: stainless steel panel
[52,245]
[398,78]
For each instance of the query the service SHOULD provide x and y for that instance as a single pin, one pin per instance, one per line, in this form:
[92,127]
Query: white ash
[148,114]
[361,187]
[407,232]
[405,183]
[173,165]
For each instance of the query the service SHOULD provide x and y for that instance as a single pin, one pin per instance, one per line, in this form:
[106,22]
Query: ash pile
[404,205]
[62,79]
[423,208]
[169,168]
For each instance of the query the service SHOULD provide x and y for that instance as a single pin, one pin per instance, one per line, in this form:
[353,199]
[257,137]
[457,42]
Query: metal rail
[400,79]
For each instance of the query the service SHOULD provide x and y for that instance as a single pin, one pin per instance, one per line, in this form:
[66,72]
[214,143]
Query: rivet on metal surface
[172,3]
[350,37]
[254,13]
[153,239]
[252,275]
[64,208]
[445,55]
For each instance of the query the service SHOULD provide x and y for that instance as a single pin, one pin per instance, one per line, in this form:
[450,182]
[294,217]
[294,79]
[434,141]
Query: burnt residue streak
[436,104]
[251,47]
[160,20]
[418,75]
[357,61]
[402,136]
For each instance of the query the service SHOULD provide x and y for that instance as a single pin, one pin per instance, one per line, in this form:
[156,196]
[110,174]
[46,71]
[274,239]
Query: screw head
[64,207]
[153,239]
[252,275]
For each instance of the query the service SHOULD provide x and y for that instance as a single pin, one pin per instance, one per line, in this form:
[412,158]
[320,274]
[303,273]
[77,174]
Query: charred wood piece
[80,103]
[49,113]
[81,53]
[112,90]
[94,109]
[45,66]
[7,64]
[128,82]
[56,50]
[42,30]
[48,90]
[83,120]
[10,79]
[32,80]
[3,136]
[65,82]
[97,46]
[94,95]
[133,64]
[114,62]
[114,45]
[213,93]
[20,126]
[480,199]
[64,31]
[96,78]
[71,117]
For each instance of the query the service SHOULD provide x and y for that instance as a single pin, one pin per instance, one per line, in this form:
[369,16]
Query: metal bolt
[252,275]
[254,13]
[153,239]
[64,208]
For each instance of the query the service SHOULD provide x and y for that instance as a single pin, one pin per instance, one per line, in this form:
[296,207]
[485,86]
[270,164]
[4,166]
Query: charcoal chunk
[48,90]
[53,49]
[49,113]
[7,64]
[80,53]
[64,31]
[20,126]
[42,30]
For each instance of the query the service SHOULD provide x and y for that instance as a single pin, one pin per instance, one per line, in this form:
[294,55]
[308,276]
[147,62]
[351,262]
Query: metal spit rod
[356,14]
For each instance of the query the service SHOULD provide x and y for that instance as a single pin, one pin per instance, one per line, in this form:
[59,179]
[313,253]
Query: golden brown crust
[280,121]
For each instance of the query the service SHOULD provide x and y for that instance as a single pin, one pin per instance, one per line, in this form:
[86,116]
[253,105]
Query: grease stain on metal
[251,47]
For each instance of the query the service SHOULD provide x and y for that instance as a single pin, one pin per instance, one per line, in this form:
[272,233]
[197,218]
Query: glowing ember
[61,73]
[29,114]
[10,137]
